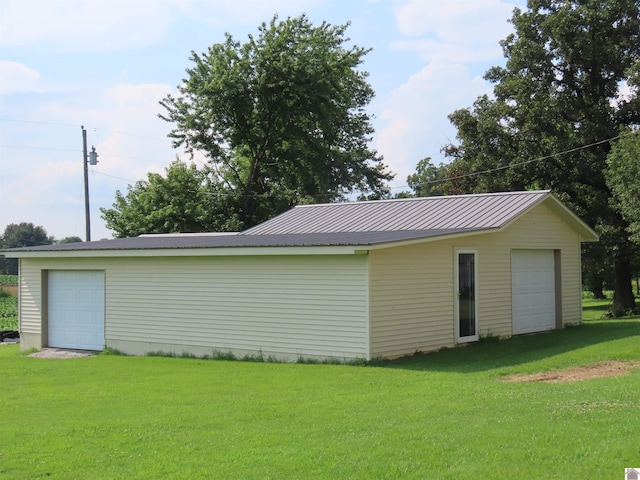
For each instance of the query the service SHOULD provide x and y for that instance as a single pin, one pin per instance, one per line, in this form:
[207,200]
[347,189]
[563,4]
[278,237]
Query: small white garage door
[533,289]
[76,309]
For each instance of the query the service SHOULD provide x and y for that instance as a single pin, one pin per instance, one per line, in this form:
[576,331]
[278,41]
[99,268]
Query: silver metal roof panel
[429,213]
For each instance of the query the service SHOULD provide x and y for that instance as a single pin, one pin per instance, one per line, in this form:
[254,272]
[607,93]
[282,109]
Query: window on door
[466,308]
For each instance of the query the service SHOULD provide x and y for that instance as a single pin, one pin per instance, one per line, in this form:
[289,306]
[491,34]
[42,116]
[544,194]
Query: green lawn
[594,309]
[443,415]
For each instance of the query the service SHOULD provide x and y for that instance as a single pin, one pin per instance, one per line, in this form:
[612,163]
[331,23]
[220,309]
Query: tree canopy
[181,201]
[428,179]
[623,177]
[21,235]
[568,85]
[281,118]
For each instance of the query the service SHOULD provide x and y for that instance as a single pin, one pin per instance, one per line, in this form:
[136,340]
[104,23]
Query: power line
[119,132]
[29,147]
[96,172]
[526,162]
[38,121]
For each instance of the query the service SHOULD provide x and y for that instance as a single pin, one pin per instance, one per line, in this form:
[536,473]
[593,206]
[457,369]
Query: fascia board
[434,238]
[190,252]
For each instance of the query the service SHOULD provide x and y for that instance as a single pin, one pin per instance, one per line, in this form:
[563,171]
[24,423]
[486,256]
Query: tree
[623,177]
[554,107]
[181,201]
[281,118]
[21,235]
[428,180]
[72,239]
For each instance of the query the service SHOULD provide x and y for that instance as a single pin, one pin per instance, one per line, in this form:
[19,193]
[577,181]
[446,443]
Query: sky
[106,64]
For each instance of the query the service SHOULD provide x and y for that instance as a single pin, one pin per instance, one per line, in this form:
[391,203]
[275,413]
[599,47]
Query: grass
[594,309]
[442,415]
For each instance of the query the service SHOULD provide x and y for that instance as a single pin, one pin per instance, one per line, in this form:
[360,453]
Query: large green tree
[281,118]
[555,106]
[428,179]
[180,201]
[623,177]
[21,235]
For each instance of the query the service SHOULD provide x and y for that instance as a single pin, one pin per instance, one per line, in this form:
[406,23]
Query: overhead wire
[517,164]
[430,182]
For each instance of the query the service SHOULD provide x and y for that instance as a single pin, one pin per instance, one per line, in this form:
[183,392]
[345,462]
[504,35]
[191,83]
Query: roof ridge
[430,198]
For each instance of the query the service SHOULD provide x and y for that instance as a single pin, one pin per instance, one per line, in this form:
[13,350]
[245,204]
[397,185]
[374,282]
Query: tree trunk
[622,289]
[596,289]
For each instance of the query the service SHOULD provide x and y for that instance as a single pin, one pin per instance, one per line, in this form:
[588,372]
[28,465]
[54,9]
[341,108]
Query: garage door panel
[76,309]
[533,290]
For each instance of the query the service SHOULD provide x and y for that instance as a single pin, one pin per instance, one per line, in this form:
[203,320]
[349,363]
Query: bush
[8,280]
[8,312]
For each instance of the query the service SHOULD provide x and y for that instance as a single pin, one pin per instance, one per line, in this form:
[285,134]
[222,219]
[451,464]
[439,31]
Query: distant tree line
[25,235]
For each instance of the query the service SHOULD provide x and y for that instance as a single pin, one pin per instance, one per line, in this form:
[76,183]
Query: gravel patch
[61,353]
[576,374]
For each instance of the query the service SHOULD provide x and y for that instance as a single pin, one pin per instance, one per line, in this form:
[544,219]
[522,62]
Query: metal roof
[353,224]
[483,211]
[150,242]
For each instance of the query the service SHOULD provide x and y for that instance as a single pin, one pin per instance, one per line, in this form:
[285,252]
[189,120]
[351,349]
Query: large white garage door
[533,290]
[76,309]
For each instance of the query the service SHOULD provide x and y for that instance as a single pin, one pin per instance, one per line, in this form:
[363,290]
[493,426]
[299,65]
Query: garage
[76,309]
[533,290]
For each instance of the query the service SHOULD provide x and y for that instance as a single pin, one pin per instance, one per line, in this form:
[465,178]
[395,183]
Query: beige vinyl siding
[30,298]
[538,229]
[412,297]
[286,306]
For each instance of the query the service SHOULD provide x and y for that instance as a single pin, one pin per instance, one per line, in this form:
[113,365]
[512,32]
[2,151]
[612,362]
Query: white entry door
[533,290]
[466,305]
[76,309]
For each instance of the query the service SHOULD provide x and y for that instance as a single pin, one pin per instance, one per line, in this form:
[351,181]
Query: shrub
[8,312]
[8,280]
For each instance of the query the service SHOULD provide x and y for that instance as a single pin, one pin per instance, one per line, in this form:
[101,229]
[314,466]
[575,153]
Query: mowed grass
[448,414]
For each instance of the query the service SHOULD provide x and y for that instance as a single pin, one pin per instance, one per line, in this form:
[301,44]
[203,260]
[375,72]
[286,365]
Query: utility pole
[87,159]
[87,215]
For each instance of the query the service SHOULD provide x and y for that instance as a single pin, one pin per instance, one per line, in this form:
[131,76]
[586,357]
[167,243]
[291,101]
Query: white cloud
[416,113]
[47,180]
[100,26]
[16,78]
[130,139]
[84,25]
[248,13]
[457,30]
[457,40]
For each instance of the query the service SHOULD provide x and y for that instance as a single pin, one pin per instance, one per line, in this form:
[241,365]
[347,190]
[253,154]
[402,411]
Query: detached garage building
[348,280]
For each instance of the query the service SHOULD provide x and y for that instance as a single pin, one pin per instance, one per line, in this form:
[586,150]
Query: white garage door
[76,309]
[533,290]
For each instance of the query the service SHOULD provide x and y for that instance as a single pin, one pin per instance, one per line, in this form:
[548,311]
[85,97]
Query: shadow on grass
[492,353]
[602,308]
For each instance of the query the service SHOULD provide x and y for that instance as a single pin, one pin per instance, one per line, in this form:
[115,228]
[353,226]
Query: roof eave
[432,238]
[190,252]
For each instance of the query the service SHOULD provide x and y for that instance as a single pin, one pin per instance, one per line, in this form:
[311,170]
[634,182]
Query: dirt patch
[12,289]
[61,353]
[597,370]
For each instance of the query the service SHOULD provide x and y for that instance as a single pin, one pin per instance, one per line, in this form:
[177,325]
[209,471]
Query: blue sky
[106,64]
